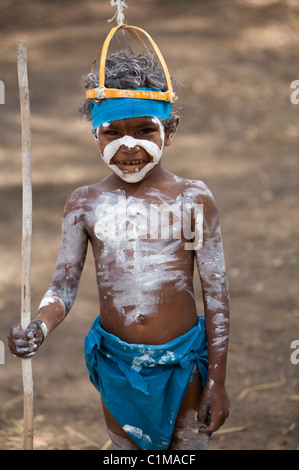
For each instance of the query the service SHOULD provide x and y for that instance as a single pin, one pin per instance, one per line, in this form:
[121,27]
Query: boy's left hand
[213,408]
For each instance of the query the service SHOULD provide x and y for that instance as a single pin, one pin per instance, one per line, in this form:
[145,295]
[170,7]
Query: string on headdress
[119,14]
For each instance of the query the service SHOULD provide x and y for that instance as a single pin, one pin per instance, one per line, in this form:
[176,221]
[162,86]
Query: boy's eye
[111,132]
[147,130]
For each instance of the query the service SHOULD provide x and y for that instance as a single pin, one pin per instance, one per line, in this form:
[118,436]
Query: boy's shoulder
[84,196]
[91,191]
[195,189]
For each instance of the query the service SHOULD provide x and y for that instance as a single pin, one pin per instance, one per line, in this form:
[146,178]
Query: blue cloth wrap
[113,109]
[143,386]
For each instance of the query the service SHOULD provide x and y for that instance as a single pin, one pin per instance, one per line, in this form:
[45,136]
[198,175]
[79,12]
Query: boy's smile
[131,160]
[132,147]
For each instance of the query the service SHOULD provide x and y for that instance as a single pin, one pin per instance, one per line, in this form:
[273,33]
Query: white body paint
[221,329]
[142,266]
[136,432]
[188,434]
[49,298]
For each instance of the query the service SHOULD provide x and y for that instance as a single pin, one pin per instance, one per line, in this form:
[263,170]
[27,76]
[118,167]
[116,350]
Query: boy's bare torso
[144,268]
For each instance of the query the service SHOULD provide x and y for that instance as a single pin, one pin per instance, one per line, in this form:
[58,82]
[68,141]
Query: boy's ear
[170,134]
[95,134]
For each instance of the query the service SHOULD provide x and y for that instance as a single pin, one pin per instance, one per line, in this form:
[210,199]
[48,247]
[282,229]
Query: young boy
[160,368]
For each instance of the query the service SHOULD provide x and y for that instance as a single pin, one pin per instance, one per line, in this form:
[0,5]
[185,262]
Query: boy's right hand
[25,343]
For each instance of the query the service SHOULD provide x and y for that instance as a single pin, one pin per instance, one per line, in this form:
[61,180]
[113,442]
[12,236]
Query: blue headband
[114,109]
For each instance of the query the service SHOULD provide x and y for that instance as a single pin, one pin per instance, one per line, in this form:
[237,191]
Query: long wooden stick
[26,238]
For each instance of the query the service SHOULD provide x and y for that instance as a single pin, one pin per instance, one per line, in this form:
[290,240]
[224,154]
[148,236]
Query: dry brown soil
[239,133]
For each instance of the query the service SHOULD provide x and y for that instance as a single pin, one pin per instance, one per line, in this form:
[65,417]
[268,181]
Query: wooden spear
[26,238]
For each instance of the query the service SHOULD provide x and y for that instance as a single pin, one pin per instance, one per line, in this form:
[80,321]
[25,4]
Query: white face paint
[150,147]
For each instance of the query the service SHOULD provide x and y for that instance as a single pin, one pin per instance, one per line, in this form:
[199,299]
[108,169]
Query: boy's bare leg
[120,440]
[186,435]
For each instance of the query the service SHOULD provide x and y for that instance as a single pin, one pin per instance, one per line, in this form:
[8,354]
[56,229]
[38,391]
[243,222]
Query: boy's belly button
[141,318]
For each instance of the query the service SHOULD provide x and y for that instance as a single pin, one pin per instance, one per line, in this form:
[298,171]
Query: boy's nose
[130,149]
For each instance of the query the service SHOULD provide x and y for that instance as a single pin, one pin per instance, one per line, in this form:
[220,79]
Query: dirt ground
[239,133]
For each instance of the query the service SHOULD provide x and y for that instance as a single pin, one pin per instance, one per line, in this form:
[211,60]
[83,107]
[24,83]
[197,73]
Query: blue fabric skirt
[142,385]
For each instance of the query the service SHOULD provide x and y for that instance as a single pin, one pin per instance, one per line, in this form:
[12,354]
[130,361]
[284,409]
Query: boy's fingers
[213,423]
[17,331]
[27,349]
[202,414]
[210,426]
[31,330]
[23,342]
[23,347]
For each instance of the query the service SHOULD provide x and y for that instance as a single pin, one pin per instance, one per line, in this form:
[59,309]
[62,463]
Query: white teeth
[138,162]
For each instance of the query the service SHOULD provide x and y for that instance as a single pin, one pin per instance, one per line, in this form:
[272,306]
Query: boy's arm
[60,297]
[214,403]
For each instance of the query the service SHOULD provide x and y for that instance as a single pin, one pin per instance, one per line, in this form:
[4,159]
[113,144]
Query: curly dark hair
[124,70]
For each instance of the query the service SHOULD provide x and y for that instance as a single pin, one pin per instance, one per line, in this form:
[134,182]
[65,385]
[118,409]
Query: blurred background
[235,61]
